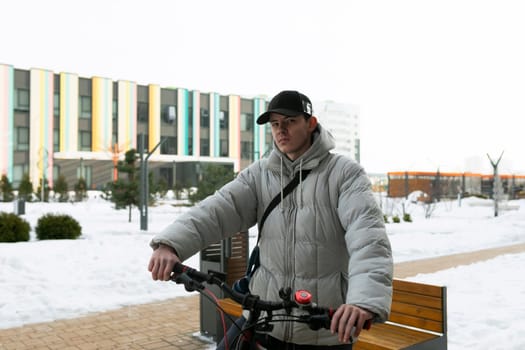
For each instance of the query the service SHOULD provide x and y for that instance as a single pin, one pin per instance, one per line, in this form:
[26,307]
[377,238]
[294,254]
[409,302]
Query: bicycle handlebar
[317,317]
[194,278]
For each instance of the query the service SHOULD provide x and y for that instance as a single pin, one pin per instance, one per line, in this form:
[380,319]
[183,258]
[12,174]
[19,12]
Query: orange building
[438,185]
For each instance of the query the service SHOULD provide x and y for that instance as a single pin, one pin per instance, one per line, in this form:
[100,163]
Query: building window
[167,175]
[205,118]
[223,119]
[115,109]
[21,100]
[56,140]
[84,141]
[224,148]
[246,121]
[169,113]
[358,151]
[21,138]
[56,172]
[56,104]
[56,133]
[85,172]
[84,106]
[146,143]
[18,173]
[142,111]
[247,150]
[169,146]
[190,118]
[205,147]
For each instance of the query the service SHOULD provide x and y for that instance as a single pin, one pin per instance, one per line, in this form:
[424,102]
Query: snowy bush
[13,228]
[55,226]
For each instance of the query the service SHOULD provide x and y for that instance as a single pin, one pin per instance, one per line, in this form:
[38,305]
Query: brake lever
[189,284]
[264,325]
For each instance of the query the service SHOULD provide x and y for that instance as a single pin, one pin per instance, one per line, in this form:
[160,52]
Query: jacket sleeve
[229,210]
[370,266]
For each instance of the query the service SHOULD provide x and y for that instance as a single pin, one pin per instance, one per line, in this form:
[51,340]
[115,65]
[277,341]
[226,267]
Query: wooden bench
[418,319]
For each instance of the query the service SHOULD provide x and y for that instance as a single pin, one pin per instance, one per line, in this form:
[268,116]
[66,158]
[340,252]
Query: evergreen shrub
[13,228]
[56,226]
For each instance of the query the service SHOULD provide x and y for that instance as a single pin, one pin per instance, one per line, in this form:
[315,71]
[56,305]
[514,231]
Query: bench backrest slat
[427,313]
[418,305]
[418,299]
[418,288]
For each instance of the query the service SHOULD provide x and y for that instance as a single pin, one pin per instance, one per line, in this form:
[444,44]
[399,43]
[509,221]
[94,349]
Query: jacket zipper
[288,331]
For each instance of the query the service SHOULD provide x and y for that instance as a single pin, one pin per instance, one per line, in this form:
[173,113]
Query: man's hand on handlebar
[161,262]
[345,318]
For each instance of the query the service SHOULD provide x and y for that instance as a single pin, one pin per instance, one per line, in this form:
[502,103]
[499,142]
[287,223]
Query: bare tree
[429,207]
[496,192]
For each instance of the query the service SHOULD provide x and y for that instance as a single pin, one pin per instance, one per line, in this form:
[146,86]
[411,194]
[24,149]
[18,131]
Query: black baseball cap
[289,103]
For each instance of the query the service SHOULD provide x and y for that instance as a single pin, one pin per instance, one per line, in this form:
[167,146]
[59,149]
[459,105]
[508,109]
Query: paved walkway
[172,325]
[412,268]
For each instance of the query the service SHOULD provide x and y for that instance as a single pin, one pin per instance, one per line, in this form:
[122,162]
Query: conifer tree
[25,189]
[214,177]
[61,189]
[125,190]
[6,189]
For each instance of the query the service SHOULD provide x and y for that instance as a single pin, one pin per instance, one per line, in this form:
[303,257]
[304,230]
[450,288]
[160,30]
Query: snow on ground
[107,267]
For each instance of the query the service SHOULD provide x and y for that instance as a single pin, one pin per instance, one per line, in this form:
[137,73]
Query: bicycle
[316,317]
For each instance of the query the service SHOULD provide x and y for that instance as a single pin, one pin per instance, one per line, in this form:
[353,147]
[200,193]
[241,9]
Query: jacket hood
[323,142]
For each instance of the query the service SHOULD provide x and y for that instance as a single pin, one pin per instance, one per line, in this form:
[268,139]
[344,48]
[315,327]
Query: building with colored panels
[61,123]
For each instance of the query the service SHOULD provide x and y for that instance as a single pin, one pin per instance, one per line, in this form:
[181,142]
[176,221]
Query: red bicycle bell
[303,297]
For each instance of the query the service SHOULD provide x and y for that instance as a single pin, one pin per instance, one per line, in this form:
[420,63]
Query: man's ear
[312,123]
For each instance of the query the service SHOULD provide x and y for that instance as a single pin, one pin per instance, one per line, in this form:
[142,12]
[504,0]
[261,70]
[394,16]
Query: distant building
[55,124]
[342,120]
[439,185]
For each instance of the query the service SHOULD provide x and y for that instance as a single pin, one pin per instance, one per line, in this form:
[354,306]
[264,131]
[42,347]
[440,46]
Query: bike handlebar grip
[179,268]
[367,325]
[189,284]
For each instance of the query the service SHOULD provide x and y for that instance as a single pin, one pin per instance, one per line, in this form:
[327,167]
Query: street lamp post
[144,183]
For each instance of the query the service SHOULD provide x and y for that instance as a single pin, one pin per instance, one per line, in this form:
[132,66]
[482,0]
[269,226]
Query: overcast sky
[439,83]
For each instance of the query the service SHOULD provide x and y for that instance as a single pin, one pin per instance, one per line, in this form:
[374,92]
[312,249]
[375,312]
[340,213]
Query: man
[327,236]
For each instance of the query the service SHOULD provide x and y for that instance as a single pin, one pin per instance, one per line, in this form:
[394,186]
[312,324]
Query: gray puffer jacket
[327,236]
